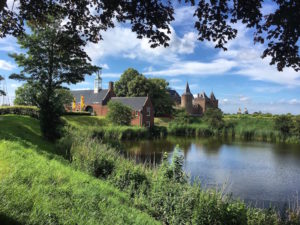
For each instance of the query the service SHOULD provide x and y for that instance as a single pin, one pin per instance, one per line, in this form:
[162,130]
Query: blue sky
[238,77]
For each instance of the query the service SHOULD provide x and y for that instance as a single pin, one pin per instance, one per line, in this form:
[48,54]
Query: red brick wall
[146,118]
[139,120]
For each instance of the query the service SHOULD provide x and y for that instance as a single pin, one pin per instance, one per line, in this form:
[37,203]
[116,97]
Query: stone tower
[187,100]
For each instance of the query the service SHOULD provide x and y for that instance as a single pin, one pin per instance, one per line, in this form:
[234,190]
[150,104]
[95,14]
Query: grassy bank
[37,189]
[242,127]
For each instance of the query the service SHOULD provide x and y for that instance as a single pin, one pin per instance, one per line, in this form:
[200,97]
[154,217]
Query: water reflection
[257,172]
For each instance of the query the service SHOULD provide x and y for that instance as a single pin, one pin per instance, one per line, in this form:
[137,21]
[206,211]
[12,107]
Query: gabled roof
[135,103]
[89,96]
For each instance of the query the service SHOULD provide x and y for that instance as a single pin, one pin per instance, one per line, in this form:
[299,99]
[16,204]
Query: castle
[197,105]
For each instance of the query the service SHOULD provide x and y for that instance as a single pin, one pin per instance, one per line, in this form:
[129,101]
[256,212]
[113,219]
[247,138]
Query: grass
[25,129]
[36,189]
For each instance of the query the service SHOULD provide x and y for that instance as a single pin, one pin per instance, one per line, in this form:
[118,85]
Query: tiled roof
[136,103]
[89,96]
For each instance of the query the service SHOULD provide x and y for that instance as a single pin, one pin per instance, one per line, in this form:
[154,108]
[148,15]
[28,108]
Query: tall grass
[36,190]
[163,194]
[243,127]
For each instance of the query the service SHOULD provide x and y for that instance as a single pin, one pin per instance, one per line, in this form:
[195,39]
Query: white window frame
[148,124]
[148,110]
[136,113]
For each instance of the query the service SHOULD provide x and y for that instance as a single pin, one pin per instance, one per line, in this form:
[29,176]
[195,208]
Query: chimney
[111,85]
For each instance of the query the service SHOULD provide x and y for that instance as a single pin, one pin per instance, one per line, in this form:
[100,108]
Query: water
[259,173]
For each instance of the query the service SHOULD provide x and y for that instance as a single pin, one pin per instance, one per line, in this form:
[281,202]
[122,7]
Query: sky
[238,77]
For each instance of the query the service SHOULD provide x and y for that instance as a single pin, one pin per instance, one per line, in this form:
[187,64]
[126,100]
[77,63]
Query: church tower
[98,81]
[187,100]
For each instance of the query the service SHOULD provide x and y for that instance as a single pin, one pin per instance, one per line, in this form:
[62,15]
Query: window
[147,123]
[148,111]
[136,113]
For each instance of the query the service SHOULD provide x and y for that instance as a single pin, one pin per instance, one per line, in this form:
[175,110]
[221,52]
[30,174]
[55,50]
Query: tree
[122,86]
[214,118]
[119,114]
[2,91]
[53,58]
[27,95]
[162,101]
[134,84]
[284,124]
[279,29]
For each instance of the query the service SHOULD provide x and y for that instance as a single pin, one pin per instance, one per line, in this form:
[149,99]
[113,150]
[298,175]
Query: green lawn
[38,190]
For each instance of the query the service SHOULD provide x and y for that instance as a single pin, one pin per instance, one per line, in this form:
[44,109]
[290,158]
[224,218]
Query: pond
[259,173]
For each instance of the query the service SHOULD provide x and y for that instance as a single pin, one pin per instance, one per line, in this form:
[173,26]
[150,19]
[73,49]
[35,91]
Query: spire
[212,96]
[187,88]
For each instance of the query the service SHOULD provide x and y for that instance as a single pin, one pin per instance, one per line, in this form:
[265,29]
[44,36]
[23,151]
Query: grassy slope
[37,190]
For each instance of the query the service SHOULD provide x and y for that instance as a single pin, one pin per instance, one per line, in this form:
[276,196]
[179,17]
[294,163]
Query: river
[262,174]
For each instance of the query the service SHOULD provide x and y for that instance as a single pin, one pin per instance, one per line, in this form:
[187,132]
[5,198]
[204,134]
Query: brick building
[199,104]
[95,101]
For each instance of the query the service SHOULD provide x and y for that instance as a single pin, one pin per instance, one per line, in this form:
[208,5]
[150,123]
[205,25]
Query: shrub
[119,114]
[20,110]
[284,124]
[214,118]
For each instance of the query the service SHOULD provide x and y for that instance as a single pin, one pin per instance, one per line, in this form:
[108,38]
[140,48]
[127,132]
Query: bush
[284,124]
[20,110]
[214,118]
[119,114]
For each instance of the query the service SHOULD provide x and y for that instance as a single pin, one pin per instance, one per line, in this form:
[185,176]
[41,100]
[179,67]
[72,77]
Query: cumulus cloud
[122,42]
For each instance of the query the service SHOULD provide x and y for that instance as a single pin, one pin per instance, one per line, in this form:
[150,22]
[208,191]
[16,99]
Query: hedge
[32,111]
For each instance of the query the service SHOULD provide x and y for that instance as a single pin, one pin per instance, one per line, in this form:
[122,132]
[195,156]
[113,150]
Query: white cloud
[9,44]
[122,42]
[216,67]
[250,64]
[5,65]
[104,66]
[244,98]
[294,101]
[15,85]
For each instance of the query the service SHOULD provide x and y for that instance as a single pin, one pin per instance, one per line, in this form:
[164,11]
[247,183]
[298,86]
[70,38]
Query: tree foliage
[27,95]
[119,114]
[214,118]
[284,124]
[134,84]
[2,91]
[279,28]
[53,57]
